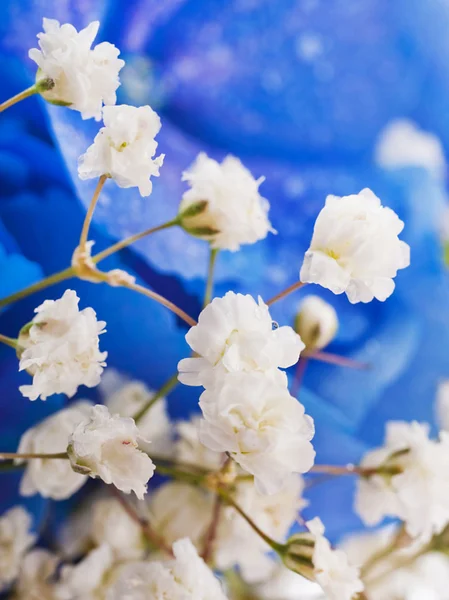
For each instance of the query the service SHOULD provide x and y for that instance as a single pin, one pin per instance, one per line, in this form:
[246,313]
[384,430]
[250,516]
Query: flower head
[316,322]
[261,426]
[52,478]
[34,581]
[106,446]
[190,450]
[187,577]
[410,480]
[60,350]
[85,579]
[355,248]
[235,334]
[15,540]
[124,148]
[83,78]
[223,204]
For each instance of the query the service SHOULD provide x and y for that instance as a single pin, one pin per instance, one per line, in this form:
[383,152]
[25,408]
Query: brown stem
[158,298]
[28,456]
[18,97]
[335,359]
[212,530]
[152,536]
[90,211]
[300,370]
[291,288]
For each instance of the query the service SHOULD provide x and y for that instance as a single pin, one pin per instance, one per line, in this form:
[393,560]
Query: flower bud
[316,322]
[197,220]
[298,555]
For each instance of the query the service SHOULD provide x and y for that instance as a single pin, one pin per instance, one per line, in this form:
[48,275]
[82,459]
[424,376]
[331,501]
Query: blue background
[299,90]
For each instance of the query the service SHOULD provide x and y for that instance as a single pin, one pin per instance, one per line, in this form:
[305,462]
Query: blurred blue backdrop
[299,90]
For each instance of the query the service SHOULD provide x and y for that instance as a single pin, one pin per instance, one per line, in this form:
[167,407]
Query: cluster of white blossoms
[81,78]
[223,204]
[410,480]
[355,248]
[59,348]
[15,540]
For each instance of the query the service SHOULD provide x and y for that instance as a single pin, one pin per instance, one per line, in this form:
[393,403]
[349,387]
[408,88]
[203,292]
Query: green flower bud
[297,555]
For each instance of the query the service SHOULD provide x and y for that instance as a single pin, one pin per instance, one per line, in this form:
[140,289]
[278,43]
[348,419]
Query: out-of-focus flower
[81,78]
[261,426]
[190,450]
[106,446]
[52,478]
[124,148]
[111,525]
[223,204]
[34,579]
[15,540]
[59,348]
[287,585]
[355,248]
[127,398]
[410,480]
[316,322]
[442,405]
[178,510]
[85,579]
[187,577]
[235,334]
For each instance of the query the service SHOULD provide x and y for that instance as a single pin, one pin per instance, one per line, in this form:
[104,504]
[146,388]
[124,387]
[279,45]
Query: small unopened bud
[86,269]
[196,220]
[316,322]
[298,554]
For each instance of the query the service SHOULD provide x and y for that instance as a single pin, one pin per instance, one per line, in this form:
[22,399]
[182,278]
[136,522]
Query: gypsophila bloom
[223,204]
[60,349]
[83,78]
[106,446]
[339,579]
[316,322]
[261,426]
[124,148]
[235,334]
[34,581]
[187,577]
[15,540]
[412,482]
[355,248]
[190,450]
[177,510]
[84,581]
[127,398]
[113,526]
[236,542]
[52,478]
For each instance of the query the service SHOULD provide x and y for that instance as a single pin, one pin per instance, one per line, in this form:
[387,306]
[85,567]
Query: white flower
[127,398]
[84,581]
[261,426]
[237,544]
[34,580]
[403,144]
[223,204]
[287,585]
[178,510]
[15,540]
[124,148]
[84,78]
[316,322]
[413,483]
[190,450]
[52,478]
[111,525]
[60,348]
[187,577]
[339,579]
[235,334]
[355,248]
[106,446]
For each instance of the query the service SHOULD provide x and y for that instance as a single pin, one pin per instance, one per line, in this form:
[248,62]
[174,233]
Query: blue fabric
[299,91]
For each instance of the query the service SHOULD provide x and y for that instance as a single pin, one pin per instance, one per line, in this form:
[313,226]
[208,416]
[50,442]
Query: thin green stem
[29,456]
[132,239]
[4,339]
[163,391]
[291,288]
[210,276]
[90,211]
[19,97]
[40,285]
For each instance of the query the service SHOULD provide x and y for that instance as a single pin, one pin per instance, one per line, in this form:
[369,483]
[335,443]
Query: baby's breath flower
[316,322]
[15,540]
